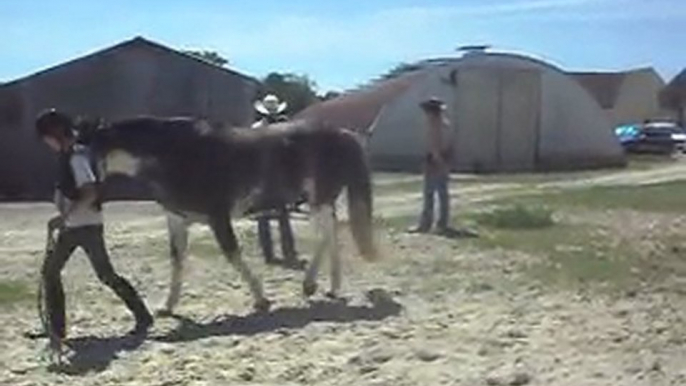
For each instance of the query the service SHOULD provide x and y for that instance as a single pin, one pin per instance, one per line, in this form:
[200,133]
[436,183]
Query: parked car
[663,137]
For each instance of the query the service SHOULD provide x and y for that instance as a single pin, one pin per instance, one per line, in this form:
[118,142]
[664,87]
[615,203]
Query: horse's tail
[360,205]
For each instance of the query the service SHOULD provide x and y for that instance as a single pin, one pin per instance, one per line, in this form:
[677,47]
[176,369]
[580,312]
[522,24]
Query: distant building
[508,112]
[627,97]
[673,97]
[136,77]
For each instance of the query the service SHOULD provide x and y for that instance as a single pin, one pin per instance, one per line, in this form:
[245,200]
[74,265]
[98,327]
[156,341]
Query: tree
[329,95]
[400,69]
[211,57]
[298,90]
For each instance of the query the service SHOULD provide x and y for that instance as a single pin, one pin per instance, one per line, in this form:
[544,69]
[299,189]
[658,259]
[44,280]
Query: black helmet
[50,122]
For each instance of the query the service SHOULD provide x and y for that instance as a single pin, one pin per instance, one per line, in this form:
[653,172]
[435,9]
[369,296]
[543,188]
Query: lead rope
[54,348]
[49,248]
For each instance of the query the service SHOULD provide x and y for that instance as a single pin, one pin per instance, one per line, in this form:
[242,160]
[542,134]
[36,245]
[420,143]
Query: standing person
[437,161]
[80,224]
[272,110]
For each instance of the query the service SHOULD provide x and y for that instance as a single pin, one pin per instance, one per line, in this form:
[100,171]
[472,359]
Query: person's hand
[55,223]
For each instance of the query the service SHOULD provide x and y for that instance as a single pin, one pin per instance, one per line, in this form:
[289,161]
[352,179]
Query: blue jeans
[265,236]
[435,183]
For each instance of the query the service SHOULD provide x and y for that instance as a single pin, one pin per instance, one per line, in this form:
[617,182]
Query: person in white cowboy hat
[271,109]
[437,160]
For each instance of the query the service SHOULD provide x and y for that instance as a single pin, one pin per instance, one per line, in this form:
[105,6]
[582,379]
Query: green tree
[400,69]
[298,90]
[208,56]
[329,95]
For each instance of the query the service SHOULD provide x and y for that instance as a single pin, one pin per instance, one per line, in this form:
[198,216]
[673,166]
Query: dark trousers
[90,238]
[435,184]
[265,235]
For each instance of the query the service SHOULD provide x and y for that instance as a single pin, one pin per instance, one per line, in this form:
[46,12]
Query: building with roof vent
[508,112]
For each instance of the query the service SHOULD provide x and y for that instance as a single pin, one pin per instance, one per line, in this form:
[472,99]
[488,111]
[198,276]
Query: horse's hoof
[263,305]
[309,288]
[164,313]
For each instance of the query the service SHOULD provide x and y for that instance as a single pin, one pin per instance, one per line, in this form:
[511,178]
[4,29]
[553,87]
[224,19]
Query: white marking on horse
[121,162]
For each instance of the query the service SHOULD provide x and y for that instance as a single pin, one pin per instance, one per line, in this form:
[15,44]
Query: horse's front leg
[226,238]
[178,247]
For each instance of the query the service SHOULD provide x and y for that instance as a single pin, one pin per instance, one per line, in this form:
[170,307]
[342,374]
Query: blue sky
[341,44]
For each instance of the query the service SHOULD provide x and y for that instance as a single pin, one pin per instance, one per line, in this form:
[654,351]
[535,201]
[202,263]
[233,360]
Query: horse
[198,174]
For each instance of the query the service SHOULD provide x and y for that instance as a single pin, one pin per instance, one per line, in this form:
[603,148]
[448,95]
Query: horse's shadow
[381,306]
[95,354]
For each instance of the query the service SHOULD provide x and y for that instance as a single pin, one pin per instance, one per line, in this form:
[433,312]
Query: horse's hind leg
[223,232]
[324,225]
[335,259]
[178,247]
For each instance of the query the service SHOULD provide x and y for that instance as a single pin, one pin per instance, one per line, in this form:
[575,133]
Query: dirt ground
[434,311]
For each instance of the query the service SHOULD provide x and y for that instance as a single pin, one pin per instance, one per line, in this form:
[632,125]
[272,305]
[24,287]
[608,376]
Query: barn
[509,112]
[135,77]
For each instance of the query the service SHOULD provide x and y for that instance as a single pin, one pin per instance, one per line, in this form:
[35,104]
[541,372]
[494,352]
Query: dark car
[661,137]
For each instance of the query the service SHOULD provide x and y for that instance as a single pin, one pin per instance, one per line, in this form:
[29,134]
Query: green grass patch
[14,291]
[517,216]
[399,187]
[567,255]
[667,197]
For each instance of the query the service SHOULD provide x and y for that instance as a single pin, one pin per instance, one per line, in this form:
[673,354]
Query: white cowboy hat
[270,105]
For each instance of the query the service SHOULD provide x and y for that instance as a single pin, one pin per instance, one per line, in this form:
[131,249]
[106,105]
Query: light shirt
[83,174]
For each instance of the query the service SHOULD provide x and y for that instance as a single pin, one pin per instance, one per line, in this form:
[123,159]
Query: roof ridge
[136,40]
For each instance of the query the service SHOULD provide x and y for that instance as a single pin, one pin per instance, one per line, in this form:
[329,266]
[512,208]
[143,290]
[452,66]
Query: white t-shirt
[83,174]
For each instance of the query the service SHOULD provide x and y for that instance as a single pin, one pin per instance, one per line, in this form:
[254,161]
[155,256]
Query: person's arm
[85,180]
[87,196]
[435,146]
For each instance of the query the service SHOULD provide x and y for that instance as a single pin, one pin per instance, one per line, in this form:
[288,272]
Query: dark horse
[203,175]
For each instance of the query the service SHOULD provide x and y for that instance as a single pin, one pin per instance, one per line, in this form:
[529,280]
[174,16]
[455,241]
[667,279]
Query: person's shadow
[381,306]
[95,354]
